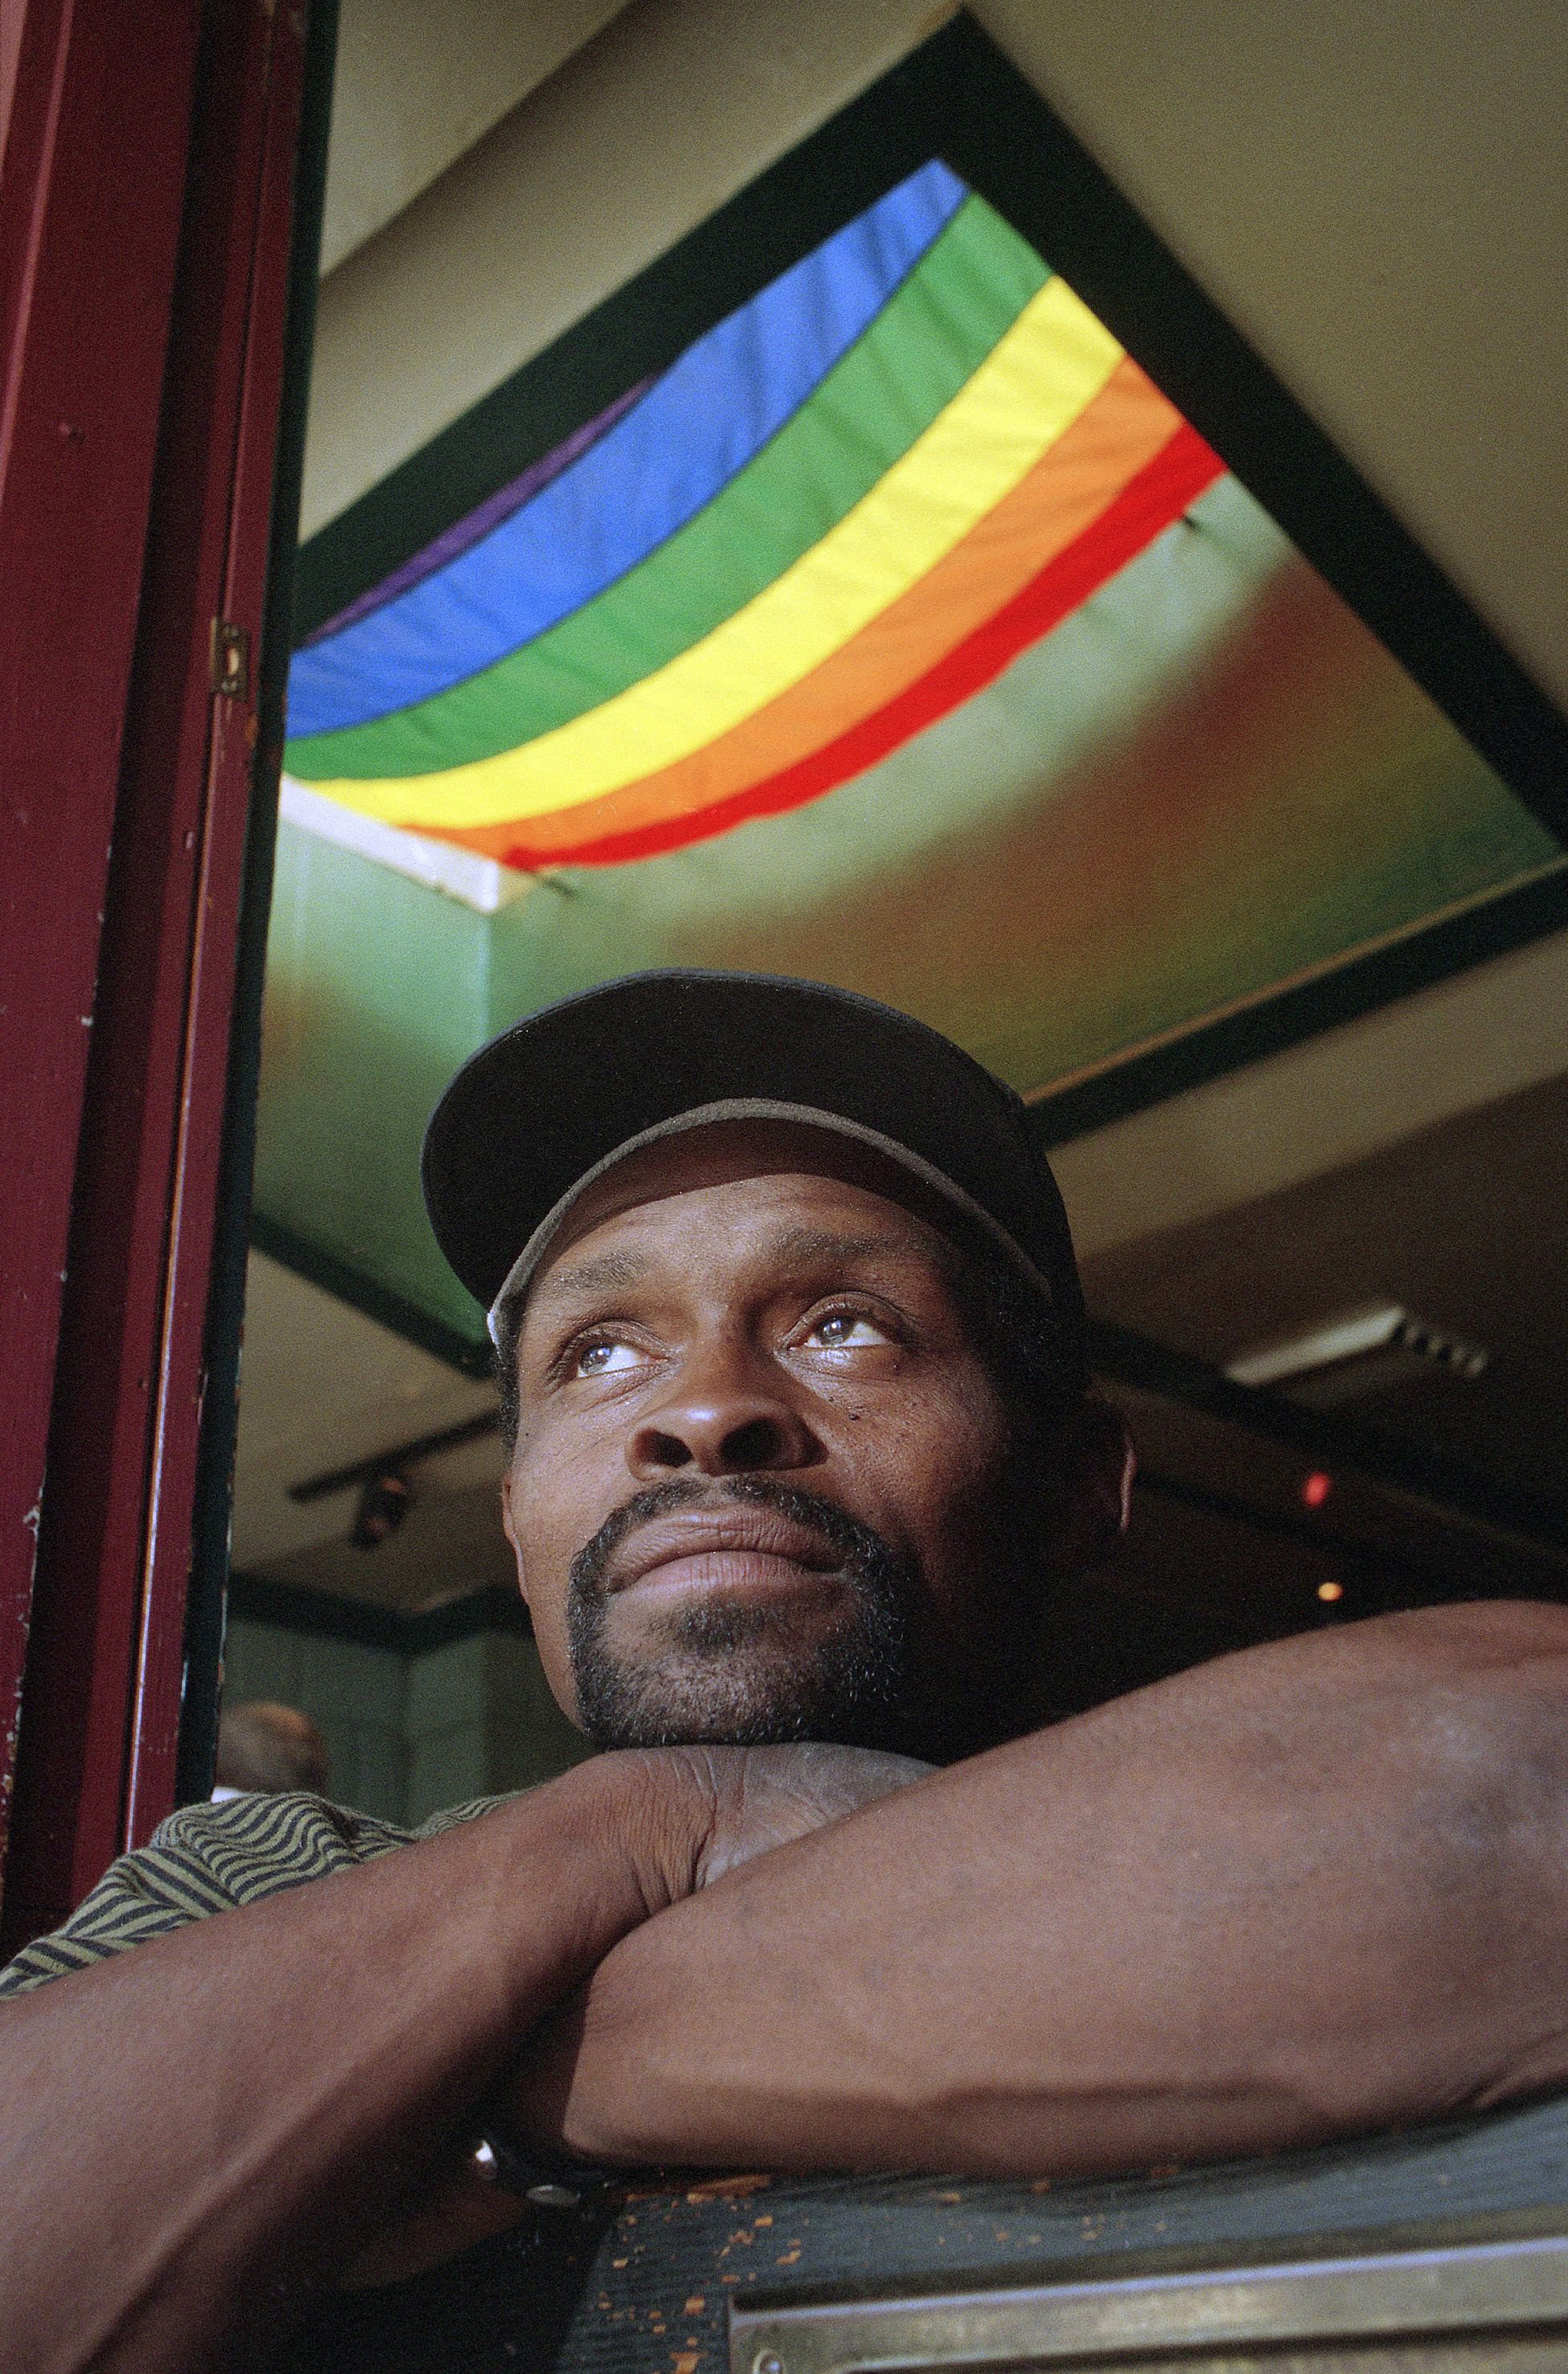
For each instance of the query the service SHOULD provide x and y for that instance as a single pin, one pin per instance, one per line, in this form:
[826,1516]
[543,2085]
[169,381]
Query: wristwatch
[547,2179]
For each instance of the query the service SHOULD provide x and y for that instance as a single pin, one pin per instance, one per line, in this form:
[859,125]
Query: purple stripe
[464,532]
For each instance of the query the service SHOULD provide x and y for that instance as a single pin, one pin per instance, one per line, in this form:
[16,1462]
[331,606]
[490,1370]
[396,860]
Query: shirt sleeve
[205,1859]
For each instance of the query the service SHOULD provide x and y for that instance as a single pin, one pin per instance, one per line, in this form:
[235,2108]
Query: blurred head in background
[264,1745]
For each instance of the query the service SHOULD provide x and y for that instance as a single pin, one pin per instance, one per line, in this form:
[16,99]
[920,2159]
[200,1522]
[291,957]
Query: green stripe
[930,338]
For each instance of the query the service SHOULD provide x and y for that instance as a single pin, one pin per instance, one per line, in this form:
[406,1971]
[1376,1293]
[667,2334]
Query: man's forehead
[795,1195]
[582,1270]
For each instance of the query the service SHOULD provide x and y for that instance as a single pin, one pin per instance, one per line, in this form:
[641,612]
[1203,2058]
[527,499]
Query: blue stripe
[702,421]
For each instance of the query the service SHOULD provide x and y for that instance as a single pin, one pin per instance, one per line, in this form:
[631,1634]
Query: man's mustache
[846,1536]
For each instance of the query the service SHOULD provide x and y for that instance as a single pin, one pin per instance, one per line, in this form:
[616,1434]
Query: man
[791,1342]
[264,1746]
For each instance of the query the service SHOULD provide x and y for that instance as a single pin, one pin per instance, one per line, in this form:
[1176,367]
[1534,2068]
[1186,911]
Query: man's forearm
[1294,1893]
[199,2133]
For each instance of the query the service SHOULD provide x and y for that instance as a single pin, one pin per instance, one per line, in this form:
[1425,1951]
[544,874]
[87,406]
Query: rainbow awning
[837,517]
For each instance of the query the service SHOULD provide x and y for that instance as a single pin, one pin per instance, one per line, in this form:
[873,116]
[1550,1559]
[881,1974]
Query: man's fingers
[853,1776]
[784,1792]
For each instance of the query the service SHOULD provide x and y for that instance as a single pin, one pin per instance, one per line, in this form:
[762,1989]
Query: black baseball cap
[556,1102]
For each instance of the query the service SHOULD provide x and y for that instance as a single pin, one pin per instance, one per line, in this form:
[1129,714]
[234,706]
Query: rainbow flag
[836,518]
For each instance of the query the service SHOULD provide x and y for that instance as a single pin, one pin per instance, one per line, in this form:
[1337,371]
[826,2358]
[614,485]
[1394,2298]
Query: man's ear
[509,1527]
[1089,1464]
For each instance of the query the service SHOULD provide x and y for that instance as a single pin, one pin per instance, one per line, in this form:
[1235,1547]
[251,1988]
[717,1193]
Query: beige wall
[416,86]
[1333,1100]
[1375,192]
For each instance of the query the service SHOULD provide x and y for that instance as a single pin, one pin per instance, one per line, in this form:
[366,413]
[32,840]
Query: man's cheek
[544,1562]
[555,1655]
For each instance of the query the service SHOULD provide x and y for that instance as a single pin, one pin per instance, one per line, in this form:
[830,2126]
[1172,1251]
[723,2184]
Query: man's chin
[711,1697]
[744,1667]
[749,1687]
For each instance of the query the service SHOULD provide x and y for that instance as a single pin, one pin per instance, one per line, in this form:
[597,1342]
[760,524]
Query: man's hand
[763,1797]
[695,1812]
[686,1816]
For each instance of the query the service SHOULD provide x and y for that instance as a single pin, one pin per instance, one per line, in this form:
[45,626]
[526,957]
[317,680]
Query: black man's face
[757,1485]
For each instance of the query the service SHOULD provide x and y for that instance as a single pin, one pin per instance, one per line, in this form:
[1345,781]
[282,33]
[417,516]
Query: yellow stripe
[1033,385]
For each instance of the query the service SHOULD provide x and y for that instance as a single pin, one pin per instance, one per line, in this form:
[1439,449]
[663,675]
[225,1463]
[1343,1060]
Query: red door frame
[144,294]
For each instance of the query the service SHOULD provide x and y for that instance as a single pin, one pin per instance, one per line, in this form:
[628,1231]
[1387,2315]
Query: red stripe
[1159,494]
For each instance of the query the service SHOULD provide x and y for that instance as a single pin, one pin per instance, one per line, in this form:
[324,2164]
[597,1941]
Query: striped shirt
[207,1859]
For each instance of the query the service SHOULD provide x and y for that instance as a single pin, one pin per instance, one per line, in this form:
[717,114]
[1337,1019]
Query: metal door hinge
[230,660]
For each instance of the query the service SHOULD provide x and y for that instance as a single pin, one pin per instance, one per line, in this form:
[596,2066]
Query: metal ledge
[1475,2307]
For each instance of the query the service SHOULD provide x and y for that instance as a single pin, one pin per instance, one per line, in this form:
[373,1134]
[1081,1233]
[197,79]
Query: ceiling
[1464,1223]
[414,91]
[1418,1154]
[323,1386]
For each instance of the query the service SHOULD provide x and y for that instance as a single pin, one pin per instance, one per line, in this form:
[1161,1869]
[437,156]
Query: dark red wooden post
[146,212]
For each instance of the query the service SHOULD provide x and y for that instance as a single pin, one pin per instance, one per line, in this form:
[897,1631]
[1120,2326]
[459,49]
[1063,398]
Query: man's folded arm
[201,2132]
[1304,1890]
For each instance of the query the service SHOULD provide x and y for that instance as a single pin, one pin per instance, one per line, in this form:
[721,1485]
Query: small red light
[1331,1591]
[1316,1489]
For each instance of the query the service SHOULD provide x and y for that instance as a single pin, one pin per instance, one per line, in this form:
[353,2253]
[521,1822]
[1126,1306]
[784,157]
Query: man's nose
[727,1417]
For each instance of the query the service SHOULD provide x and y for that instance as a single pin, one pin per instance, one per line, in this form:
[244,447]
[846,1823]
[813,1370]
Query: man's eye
[846,1331]
[602,1359]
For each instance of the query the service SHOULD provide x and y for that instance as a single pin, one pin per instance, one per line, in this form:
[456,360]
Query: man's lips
[738,1548]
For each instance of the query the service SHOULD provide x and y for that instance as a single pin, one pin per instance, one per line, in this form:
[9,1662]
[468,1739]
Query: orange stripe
[1149,503]
[1121,431]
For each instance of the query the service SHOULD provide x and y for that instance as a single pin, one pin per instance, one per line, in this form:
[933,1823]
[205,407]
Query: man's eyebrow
[602,1272]
[809,1246]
